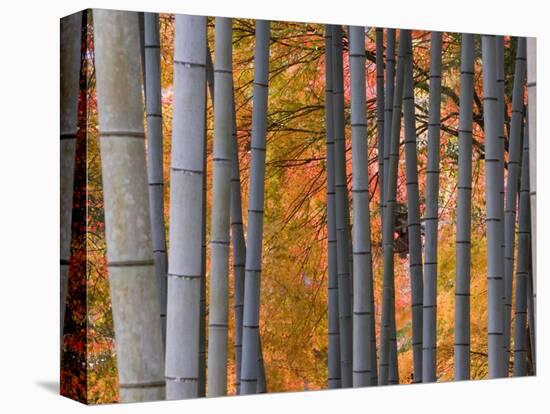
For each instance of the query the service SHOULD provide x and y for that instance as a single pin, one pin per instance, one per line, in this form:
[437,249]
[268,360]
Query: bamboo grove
[412,158]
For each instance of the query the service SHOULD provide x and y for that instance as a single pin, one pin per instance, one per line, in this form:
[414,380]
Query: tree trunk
[431,218]
[464,213]
[334,374]
[71,39]
[251,312]
[219,243]
[388,369]
[342,219]
[532,120]
[495,268]
[362,260]
[186,205]
[136,312]
[512,186]
[413,217]
[155,156]
[522,270]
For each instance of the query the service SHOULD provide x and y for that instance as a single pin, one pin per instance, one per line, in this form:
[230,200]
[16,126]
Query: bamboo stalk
[512,187]
[464,213]
[127,219]
[494,252]
[413,217]
[522,269]
[532,120]
[251,311]
[155,156]
[362,259]
[431,217]
[342,212]
[334,375]
[219,244]
[186,209]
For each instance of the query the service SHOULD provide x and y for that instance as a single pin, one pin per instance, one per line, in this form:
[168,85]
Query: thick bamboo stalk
[334,375]
[464,213]
[362,259]
[136,312]
[186,218]
[218,321]
[495,268]
[388,370]
[413,216]
[522,269]
[532,120]
[431,217]
[70,43]
[155,156]
[251,311]
[512,187]
[342,211]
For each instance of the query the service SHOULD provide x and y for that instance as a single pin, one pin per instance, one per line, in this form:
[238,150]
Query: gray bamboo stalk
[239,249]
[136,312]
[388,369]
[431,218]
[387,104]
[388,98]
[530,348]
[362,260]
[522,269]
[70,44]
[155,156]
[202,322]
[342,212]
[334,374]
[251,311]
[380,110]
[499,57]
[186,218]
[495,268]
[512,187]
[413,217]
[532,120]
[464,213]
[388,115]
[218,321]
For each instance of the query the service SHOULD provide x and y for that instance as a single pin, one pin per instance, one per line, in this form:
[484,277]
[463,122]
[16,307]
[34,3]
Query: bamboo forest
[252,206]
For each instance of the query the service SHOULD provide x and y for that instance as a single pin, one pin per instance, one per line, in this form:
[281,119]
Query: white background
[29,207]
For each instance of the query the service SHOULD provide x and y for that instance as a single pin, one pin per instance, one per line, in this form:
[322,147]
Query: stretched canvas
[253,206]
